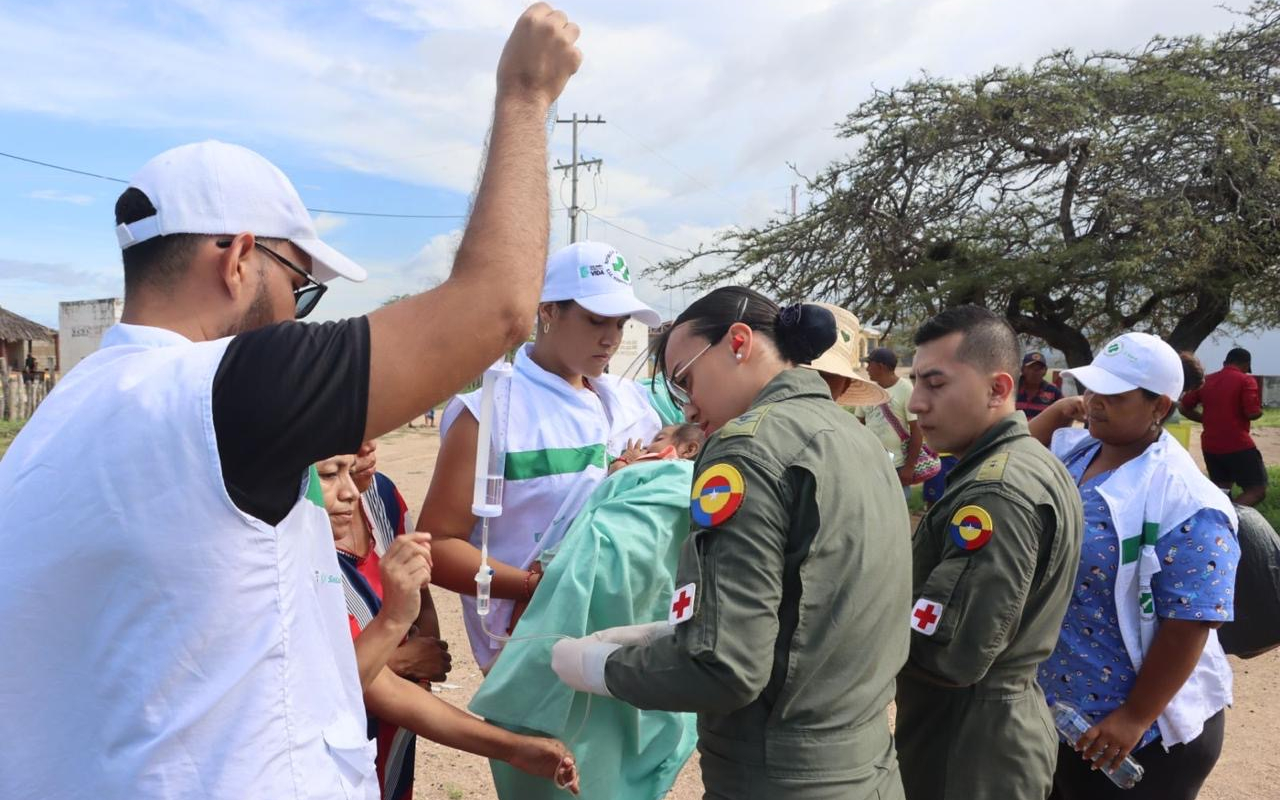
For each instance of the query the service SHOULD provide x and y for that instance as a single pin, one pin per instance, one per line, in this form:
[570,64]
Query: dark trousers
[1176,774]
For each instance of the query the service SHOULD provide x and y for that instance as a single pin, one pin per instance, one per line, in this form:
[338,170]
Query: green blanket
[656,390]
[615,566]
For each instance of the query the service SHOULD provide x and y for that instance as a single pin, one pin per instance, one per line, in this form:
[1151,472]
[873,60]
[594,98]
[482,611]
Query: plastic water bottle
[1071,725]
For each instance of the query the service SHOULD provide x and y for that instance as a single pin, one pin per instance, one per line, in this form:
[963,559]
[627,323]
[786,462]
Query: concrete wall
[81,324]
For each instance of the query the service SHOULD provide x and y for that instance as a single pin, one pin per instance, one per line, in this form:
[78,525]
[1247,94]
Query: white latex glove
[580,663]
[635,634]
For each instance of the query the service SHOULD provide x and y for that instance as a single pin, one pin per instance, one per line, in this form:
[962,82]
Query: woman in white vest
[562,422]
[1138,655]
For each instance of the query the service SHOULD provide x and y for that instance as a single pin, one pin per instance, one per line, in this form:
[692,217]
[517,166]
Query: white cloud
[325,223]
[61,196]
[706,102]
[426,15]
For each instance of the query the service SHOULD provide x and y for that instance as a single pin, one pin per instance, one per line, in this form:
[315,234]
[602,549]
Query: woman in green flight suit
[789,617]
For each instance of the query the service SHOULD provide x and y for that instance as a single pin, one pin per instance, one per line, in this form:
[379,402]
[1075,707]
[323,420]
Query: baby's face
[664,439]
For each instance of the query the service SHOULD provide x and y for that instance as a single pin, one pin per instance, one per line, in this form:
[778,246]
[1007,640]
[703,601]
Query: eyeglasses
[306,296]
[676,389]
[679,393]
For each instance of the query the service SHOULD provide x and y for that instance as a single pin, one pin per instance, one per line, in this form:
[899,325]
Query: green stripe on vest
[314,493]
[1129,548]
[553,461]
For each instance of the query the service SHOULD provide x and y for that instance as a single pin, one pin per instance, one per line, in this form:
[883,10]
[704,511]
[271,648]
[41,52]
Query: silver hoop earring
[546,327]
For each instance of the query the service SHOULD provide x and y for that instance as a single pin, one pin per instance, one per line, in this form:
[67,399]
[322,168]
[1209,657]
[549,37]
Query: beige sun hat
[842,359]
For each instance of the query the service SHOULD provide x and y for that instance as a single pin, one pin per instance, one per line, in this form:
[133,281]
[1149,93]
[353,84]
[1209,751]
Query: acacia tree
[1079,197]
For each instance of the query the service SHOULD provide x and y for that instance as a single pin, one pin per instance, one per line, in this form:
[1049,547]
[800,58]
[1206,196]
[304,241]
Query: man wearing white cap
[562,420]
[176,626]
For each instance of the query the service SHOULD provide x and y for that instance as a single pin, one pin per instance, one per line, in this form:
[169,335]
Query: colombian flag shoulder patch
[717,495]
[971,528]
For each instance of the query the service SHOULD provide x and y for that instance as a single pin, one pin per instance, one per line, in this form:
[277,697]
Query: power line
[680,250]
[64,169]
[671,163]
[342,212]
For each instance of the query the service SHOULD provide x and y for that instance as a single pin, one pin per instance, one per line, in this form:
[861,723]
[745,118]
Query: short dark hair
[156,263]
[1238,356]
[883,356]
[988,343]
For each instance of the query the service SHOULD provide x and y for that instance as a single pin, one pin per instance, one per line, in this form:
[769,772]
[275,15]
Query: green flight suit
[800,594]
[994,562]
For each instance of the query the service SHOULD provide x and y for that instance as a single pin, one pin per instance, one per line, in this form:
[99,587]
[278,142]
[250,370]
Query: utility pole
[794,191]
[572,169]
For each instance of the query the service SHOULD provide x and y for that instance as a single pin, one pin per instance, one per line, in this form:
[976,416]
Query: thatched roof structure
[14,328]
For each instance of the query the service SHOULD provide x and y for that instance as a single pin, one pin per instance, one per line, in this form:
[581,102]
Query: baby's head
[686,439]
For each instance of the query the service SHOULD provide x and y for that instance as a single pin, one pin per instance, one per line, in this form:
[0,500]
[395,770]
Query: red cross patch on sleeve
[682,604]
[925,616]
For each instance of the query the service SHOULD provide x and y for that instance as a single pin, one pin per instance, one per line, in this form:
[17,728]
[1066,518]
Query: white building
[635,342]
[81,324]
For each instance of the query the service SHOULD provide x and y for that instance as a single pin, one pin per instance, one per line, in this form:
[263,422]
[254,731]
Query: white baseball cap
[595,276]
[218,188]
[1133,361]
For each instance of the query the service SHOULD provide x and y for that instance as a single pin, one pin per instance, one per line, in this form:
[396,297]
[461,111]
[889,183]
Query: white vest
[558,442]
[1149,497]
[155,641]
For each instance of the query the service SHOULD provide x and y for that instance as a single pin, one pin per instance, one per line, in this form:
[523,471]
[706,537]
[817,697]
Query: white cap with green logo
[596,277]
[1133,361]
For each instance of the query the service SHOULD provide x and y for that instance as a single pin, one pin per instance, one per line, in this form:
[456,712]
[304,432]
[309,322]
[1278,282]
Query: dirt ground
[1249,768]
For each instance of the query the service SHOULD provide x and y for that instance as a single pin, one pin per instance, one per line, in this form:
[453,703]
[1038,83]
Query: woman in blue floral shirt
[1138,655]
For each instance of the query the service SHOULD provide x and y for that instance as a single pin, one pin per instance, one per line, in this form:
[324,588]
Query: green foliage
[1270,505]
[916,504]
[1270,419]
[1081,196]
[8,431]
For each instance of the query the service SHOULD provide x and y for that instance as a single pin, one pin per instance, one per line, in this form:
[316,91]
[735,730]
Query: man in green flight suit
[785,629]
[993,565]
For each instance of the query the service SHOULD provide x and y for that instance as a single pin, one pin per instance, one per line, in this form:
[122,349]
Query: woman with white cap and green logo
[1138,655]
[563,420]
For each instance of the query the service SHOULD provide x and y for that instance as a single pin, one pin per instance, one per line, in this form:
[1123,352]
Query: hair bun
[805,331]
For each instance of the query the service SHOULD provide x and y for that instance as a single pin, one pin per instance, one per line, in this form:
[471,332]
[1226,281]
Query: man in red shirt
[1230,400]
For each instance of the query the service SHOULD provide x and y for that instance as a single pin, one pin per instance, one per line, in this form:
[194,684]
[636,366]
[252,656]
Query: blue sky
[382,105]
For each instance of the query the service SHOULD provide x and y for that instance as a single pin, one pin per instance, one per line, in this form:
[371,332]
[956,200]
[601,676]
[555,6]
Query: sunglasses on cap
[305,297]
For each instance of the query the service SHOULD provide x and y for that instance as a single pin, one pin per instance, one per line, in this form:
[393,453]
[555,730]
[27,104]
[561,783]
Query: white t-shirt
[899,396]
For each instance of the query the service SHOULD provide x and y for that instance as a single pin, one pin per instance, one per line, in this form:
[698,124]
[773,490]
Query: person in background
[383,516]
[838,366]
[1138,654]
[383,588]
[1034,393]
[882,365]
[1225,405]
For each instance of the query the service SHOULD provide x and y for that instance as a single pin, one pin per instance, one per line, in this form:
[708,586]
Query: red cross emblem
[925,616]
[682,604]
